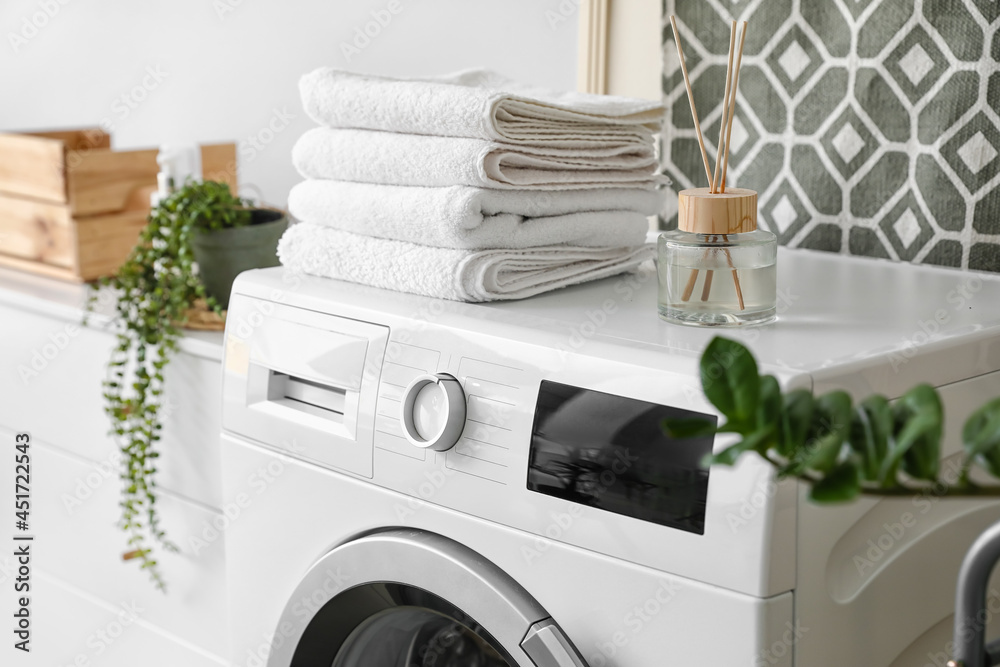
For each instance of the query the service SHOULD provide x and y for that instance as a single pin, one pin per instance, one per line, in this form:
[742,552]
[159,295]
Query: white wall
[229,64]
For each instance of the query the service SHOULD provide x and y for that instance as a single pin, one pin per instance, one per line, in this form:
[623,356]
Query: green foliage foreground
[841,449]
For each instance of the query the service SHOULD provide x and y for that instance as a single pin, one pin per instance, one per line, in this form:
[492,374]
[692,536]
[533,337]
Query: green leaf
[828,430]
[843,483]
[742,428]
[871,430]
[917,428]
[981,436]
[921,416]
[769,401]
[770,405]
[797,414]
[729,379]
[731,454]
[681,428]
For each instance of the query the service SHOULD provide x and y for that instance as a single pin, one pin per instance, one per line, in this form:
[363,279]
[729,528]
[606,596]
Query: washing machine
[416,482]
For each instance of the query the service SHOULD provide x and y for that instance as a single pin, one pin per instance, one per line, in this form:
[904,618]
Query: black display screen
[610,452]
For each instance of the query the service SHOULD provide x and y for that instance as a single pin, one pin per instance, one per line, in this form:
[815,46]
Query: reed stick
[689,288]
[725,108]
[690,94]
[736,278]
[732,103]
[707,287]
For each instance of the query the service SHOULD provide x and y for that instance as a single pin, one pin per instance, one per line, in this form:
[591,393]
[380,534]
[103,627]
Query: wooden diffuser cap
[731,212]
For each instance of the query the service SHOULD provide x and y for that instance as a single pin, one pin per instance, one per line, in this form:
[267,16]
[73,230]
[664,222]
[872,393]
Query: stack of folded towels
[470,187]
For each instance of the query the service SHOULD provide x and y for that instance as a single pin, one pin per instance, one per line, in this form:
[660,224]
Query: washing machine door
[414,599]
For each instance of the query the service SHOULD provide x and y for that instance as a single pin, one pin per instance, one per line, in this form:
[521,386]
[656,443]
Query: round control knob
[433,412]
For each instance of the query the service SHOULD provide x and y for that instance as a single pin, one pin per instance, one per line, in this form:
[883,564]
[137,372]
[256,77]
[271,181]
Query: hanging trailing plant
[155,287]
[841,449]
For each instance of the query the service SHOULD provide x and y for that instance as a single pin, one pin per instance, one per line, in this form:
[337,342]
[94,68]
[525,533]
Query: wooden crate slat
[40,268]
[104,180]
[105,241]
[36,231]
[33,167]
[77,140]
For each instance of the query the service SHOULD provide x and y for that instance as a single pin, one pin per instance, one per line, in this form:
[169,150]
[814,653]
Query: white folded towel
[466,217]
[477,104]
[460,275]
[368,156]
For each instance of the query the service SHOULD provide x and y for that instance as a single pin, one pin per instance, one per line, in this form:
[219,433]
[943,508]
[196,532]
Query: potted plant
[196,241]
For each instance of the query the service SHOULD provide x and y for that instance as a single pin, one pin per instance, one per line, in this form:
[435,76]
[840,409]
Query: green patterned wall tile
[880,184]
[856,7]
[880,102]
[945,253]
[849,143]
[887,20]
[973,151]
[830,25]
[772,13]
[986,219]
[794,59]
[957,26]
[820,187]
[713,36]
[829,91]
[825,236]
[673,76]
[706,98]
[831,95]
[865,242]
[744,137]
[947,106]
[783,213]
[764,168]
[688,160]
[916,63]
[766,103]
[945,203]
[988,8]
[993,92]
[984,256]
[906,227]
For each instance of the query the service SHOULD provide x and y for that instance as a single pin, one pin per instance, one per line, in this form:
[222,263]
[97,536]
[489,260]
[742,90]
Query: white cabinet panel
[71,628]
[50,386]
[74,517]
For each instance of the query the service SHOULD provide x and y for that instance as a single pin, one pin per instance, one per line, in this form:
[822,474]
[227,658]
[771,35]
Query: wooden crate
[49,240]
[74,167]
[70,207]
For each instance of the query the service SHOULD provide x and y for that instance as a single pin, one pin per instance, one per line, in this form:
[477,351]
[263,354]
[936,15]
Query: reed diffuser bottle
[717,268]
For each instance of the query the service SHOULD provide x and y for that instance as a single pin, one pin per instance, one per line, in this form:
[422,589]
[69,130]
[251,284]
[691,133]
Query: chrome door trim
[437,565]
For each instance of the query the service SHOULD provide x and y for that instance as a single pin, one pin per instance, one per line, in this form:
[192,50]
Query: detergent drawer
[302,381]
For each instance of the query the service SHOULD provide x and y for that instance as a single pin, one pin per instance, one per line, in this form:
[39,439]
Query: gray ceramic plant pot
[224,254]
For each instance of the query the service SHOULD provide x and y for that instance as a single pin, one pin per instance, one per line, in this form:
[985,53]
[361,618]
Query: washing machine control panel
[530,429]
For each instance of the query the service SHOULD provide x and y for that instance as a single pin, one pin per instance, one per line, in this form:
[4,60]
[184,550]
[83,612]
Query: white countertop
[66,301]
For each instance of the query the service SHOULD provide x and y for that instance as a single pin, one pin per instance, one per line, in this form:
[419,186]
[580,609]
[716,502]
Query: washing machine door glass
[416,637]
[407,598]
[396,625]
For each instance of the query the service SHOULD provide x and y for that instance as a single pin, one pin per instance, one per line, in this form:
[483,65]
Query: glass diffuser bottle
[717,268]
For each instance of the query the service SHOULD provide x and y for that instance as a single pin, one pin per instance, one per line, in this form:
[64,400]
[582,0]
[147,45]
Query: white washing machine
[414,482]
